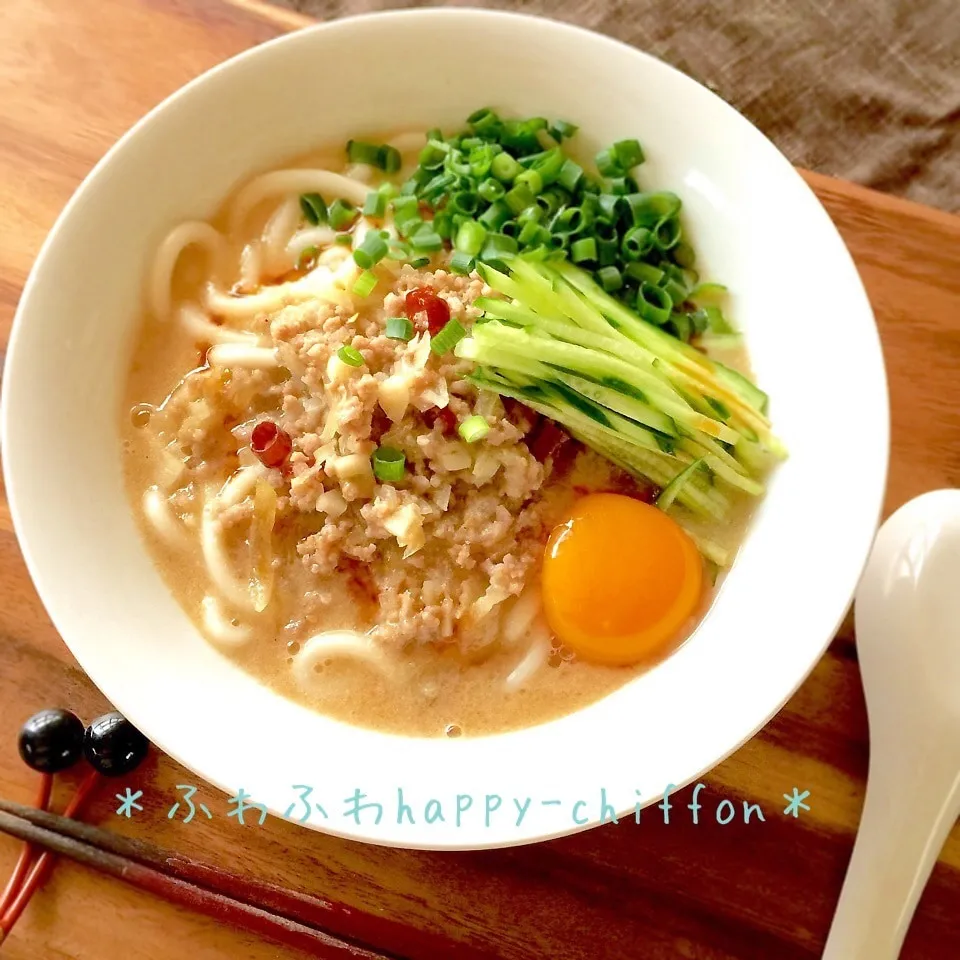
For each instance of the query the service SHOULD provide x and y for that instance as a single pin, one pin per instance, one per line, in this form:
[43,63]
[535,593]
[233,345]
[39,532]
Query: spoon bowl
[908,640]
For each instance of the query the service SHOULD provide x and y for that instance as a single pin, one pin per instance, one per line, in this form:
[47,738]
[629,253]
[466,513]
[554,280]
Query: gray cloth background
[868,90]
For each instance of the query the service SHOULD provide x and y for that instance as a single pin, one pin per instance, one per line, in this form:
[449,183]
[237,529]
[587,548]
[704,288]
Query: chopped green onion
[470,237]
[610,278]
[495,216]
[451,334]
[314,208]
[519,198]
[351,356]
[474,428]
[308,255]
[344,239]
[498,245]
[530,179]
[483,120]
[637,242]
[399,328]
[371,251]
[426,241]
[683,255]
[608,204]
[608,252]
[570,174]
[607,164]
[442,225]
[621,186]
[404,207]
[364,285]
[567,221]
[491,190]
[462,263]
[531,233]
[504,167]
[375,205]
[549,164]
[653,304]
[389,159]
[388,464]
[389,190]
[628,153]
[533,214]
[419,262]
[398,250]
[360,152]
[411,225]
[666,234]
[552,200]
[645,273]
[342,214]
[649,209]
[465,202]
[433,155]
[583,249]
[562,130]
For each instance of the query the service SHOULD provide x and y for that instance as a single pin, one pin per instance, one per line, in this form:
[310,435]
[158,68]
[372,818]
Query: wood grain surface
[74,75]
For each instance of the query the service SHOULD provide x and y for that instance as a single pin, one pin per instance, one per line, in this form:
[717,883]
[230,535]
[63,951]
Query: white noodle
[276,235]
[242,355]
[533,660]
[319,283]
[333,257]
[408,142]
[239,486]
[195,322]
[156,509]
[309,237]
[522,614]
[251,265]
[288,182]
[221,630]
[338,644]
[235,590]
[188,234]
[360,171]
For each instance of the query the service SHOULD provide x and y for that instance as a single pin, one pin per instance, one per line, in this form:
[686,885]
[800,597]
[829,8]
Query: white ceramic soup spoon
[908,638]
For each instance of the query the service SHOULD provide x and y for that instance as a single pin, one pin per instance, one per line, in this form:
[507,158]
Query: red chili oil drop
[270,444]
[426,311]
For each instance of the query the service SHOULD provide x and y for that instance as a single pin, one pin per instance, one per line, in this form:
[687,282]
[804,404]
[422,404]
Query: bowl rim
[305,36]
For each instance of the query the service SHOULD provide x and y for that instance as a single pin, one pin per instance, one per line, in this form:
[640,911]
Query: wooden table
[74,74]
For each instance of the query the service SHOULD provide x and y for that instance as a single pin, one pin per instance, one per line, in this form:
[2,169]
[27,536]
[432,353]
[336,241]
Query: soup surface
[341,509]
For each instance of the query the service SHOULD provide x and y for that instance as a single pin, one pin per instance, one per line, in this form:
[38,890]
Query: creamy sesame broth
[336,503]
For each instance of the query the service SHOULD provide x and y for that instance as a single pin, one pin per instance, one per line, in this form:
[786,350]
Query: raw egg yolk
[620,579]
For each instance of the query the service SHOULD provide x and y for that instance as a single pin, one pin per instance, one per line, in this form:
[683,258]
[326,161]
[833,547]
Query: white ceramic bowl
[757,227]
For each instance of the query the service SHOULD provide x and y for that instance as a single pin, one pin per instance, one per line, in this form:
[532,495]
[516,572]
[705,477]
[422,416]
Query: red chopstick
[337,930]
[26,855]
[94,847]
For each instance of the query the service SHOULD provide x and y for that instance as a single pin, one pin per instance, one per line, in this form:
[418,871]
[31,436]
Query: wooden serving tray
[74,75]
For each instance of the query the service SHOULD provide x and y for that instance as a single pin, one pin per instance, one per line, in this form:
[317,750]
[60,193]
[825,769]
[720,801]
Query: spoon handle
[910,807]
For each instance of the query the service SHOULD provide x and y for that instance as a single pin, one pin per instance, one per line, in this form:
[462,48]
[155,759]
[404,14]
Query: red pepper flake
[547,440]
[426,311]
[442,415]
[271,444]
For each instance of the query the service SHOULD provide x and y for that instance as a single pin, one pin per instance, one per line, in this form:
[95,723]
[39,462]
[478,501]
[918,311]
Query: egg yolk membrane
[620,579]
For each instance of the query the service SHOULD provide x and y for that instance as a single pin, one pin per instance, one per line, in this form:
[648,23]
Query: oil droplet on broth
[453,730]
[140,415]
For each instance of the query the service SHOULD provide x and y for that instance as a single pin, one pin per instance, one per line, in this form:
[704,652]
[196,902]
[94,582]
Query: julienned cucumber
[652,404]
